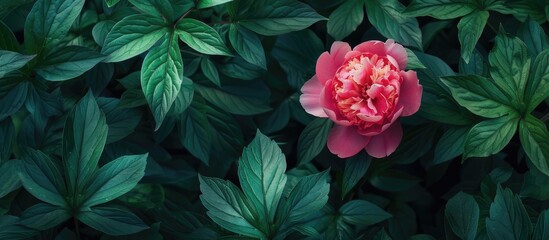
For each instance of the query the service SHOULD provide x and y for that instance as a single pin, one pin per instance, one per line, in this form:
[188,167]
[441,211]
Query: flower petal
[338,52]
[310,99]
[388,48]
[325,67]
[410,93]
[345,141]
[385,143]
[330,108]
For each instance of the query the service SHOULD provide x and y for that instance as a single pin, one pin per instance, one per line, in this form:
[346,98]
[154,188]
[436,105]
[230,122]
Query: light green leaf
[509,67]
[541,230]
[68,63]
[9,176]
[112,221]
[227,206]
[210,3]
[195,131]
[470,28]
[201,37]
[111,3]
[345,19]
[84,138]
[43,216]
[387,18]
[11,61]
[210,71]
[248,45]
[413,61]
[159,8]
[308,196]
[14,100]
[490,136]
[313,139]
[462,213]
[49,21]
[184,97]
[231,102]
[261,172]
[278,17]
[535,141]
[508,218]
[362,213]
[478,94]
[161,77]
[440,9]
[115,179]
[355,168]
[537,88]
[450,145]
[101,30]
[132,36]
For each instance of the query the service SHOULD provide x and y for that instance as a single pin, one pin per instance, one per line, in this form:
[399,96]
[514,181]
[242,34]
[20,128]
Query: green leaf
[7,39]
[210,3]
[111,3]
[121,121]
[541,230]
[535,141]
[478,94]
[11,61]
[43,216]
[115,178]
[184,97]
[441,9]
[261,172]
[382,235]
[227,206]
[231,102]
[101,30]
[201,37]
[313,139]
[14,100]
[362,213]
[112,221]
[161,77]
[413,61]
[239,68]
[509,67]
[537,88]
[490,136]
[132,36]
[41,177]
[9,176]
[308,196]
[248,45]
[508,217]
[84,138]
[534,37]
[462,213]
[278,17]
[49,21]
[145,196]
[355,168]
[345,19]
[386,16]
[210,71]
[534,185]
[159,8]
[470,28]
[68,63]
[450,145]
[195,131]
[7,131]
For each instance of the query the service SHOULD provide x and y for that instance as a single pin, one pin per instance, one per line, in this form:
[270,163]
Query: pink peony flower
[364,91]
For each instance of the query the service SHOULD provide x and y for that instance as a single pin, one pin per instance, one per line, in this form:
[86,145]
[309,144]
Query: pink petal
[351,54]
[325,67]
[310,99]
[410,93]
[377,129]
[330,108]
[345,141]
[338,52]
[389,48]
[386,143]
[373,46]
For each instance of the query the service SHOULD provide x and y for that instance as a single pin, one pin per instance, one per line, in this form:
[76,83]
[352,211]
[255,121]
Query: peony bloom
[363,91]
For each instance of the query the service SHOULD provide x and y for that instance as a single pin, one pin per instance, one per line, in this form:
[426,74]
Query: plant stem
[76,228]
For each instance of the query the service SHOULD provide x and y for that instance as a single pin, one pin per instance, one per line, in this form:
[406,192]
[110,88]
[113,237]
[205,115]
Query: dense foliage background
[122,117]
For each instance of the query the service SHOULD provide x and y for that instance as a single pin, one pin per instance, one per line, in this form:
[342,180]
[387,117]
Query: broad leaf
[14,100]
[462,214]
[231,102]
[345,19]
[68,63]
[541,230]
[210,3]
[470,28]
[450,145]
[112,221]
[132,36]
[313,139]
[535,141]
[355,169]
[9,176]
[441,9]
[537,88]
[159,8]
[44,216]
[227,207]
[201,37]
[508,217]
[308,196]
[248,45]
[111,3]
[210,71]
[362,213]
[7,39]
[490,136]
[261,172]
[121,121]
[534,37]
[161,77]
[84,138]
[11,61]
[480,95]
[196,132]
[7,140]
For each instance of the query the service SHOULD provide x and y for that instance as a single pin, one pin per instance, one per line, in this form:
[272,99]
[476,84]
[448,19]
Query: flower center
[366,88]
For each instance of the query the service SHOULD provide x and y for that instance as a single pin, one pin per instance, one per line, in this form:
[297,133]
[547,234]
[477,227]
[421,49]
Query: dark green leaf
[508,217]
[441,9]
[184,97]
[535,141]
[111,3]
[308,196]
[112,221]
[450,145]
[462,213]
[231,102]
[101,30]
[201,37]
[345,19]
[413,61]
[534,37]
[132,36]
[121,121]
[210,3]
[14,100]
[161,77]
[9,229]
[490,136]
[195,131]
[362,213]
[313,139]
[355,168]
[11,61]
[115,178]
[239,68]
[159,8]
[248,45]
[145,196]
[210,71]
[9,176]
[68,63]
[534,185]
[537,88]
[43,216]
[470,28]
[7,39]
[278,119]
[7,139]
[382,235]
[541,230]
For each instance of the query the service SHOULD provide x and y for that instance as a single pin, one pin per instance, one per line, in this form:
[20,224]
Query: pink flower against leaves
[364,91]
